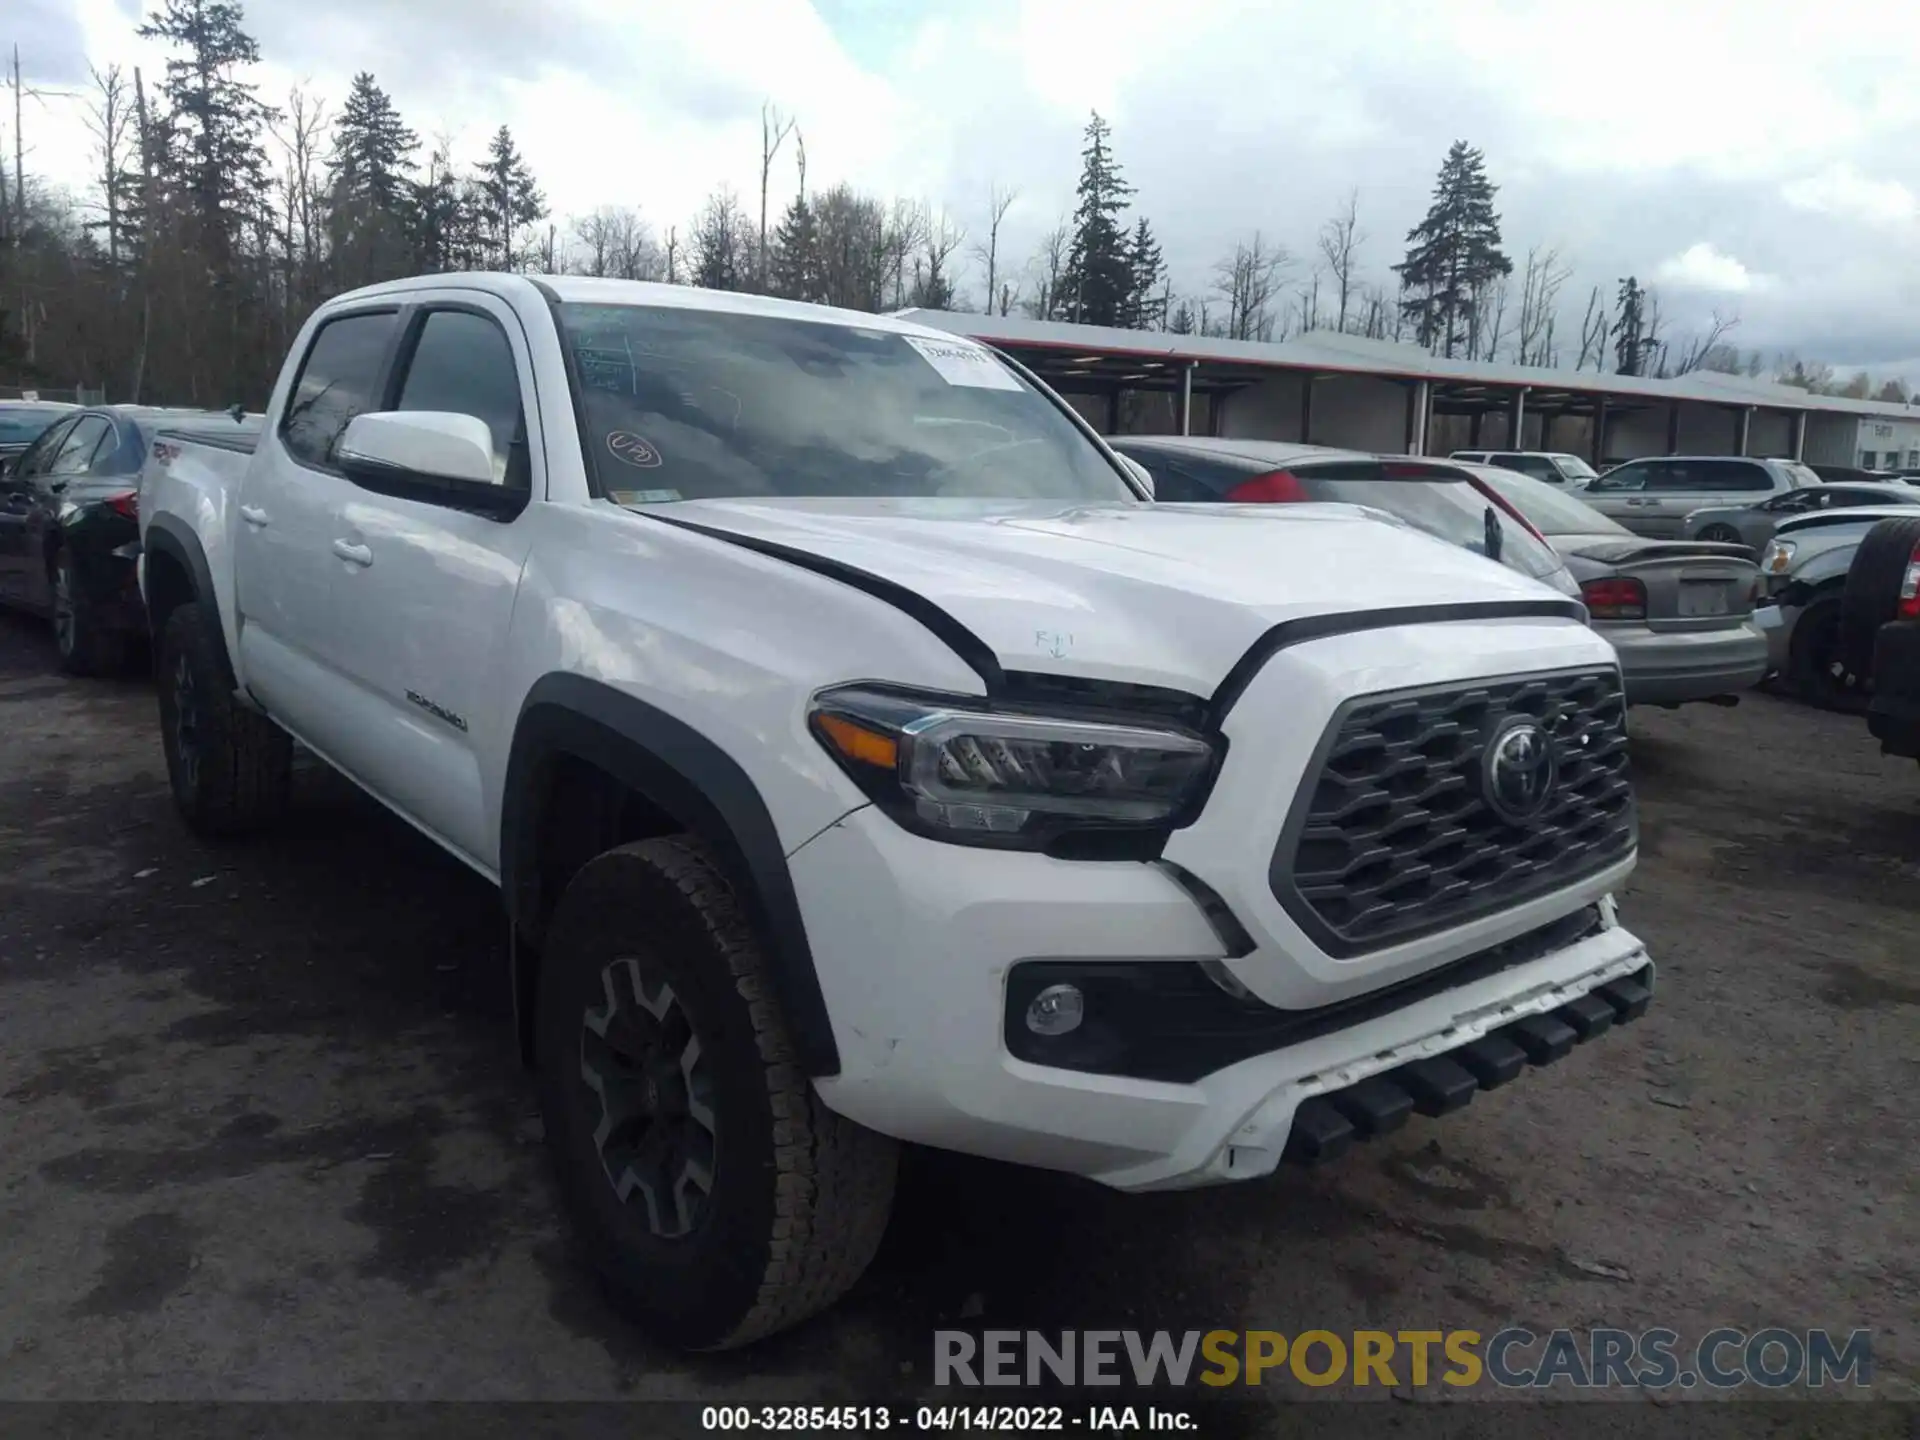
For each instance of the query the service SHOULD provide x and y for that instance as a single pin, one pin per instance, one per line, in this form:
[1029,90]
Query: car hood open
[1161,594]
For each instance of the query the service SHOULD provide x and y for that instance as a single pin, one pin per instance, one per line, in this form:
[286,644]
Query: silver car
[1753,525]
[1679,613]
[1804,568]
[1553,466]
[1654,496]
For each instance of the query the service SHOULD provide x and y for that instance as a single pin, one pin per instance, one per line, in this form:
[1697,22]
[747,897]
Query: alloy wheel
[641,1063]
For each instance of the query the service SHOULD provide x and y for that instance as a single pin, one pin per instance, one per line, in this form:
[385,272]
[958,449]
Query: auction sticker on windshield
[960,364]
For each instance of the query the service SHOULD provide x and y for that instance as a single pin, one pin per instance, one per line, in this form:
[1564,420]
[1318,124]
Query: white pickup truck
[864,757]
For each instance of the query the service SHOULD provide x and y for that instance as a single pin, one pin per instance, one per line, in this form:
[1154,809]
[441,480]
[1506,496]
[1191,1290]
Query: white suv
[863,757]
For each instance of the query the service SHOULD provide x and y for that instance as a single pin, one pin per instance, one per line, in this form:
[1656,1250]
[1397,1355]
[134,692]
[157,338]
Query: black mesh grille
[1392,838]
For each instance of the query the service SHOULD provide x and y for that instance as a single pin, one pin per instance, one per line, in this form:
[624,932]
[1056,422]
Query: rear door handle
[254,516]
[353,554]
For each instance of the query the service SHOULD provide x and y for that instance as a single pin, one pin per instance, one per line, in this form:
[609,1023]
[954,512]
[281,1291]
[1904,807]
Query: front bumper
[1893,716]
[1775,623]
[915,942]
[1665,667]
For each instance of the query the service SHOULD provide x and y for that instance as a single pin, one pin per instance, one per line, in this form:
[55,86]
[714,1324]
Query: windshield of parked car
[22,424]
[684,404]
[1799,474]
[1440,502]
[1549,510]
[1575,468]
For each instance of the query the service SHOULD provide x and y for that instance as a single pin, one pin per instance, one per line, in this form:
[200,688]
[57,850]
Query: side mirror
[435,455]
[1139,472]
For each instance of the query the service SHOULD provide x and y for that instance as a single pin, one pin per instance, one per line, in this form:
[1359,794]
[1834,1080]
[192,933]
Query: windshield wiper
[1495,536]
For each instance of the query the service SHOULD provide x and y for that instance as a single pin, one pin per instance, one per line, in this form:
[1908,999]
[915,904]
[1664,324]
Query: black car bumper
[1894,713]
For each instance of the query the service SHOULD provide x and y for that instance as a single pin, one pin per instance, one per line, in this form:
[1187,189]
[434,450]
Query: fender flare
[168,534]
[690,778]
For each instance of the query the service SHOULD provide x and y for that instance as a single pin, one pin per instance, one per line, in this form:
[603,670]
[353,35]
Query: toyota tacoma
[864,757]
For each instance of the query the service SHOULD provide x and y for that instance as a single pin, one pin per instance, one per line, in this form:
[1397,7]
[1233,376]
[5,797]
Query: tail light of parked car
[1276,487]
[1909,608]
[127,504]
[1618,599]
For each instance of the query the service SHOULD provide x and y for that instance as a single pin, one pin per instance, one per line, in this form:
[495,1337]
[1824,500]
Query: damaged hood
[1158,594]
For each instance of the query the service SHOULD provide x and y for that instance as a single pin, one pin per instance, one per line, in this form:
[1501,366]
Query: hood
[1862,515]
[1158,594]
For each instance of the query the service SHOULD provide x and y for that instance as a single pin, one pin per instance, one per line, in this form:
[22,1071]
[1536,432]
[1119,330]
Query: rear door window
[1733,476]
[77,449]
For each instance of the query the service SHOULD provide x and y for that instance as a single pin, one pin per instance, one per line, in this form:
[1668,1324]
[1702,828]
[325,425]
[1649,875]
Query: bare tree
[1539,301]
[1048,265]
[1652,345]
[673,251]
[1706,348]
[1339,244]
[773,131]
[110,118]
[933,287]
[999,201]
[906,229]
[298,133]
[1310,304]
[1595,330]
[614,241]
[1247,280]
[1487,325]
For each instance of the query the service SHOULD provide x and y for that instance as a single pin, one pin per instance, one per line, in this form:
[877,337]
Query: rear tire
[230,768]
[717,1198]
[1720,535]
[86,647]
[1816,668]
[1872,594]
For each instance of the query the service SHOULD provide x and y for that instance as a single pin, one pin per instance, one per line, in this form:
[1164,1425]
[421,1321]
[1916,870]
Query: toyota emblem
[1519,770]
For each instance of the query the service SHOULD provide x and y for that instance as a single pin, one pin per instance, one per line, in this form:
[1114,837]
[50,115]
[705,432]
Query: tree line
[213,222]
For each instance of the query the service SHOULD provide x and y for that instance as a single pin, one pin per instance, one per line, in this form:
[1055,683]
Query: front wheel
[1817,666]
[1720,535]
[719,1200]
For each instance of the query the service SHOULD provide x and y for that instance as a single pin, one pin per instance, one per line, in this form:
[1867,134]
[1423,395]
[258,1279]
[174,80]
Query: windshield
[1550,511]
[1799,474]
[683,404]
[1574,468]
[21,424]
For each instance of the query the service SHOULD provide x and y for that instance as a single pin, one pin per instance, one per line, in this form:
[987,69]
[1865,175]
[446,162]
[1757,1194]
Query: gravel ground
[264,1137]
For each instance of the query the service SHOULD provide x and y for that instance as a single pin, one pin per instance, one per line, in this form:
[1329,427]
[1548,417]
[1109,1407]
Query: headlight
[977,776]
[1777,559]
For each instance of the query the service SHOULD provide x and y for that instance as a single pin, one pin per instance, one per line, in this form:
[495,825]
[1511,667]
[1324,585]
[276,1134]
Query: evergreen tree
[796,254]
[509,196]
[1145,308]
[211,146]
[1098,282]
[1630,343]
[372,149]
[1454,254]
[1181,322]
[445,219]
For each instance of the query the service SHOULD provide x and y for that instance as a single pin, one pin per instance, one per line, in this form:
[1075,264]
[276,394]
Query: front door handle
[353,554]
[254,516]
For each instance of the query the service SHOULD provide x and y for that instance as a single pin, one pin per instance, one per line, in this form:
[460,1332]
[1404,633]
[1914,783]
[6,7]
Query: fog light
[1056,1010]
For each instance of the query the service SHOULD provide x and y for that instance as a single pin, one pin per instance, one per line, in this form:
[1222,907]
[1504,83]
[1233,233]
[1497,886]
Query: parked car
[1752,525]
[1881,631]
[22,422]
[69,528]
[1552,466]
[1654,496]
[851,779]
[1678,613]
[1850,474]
[1432,496]
[1804,571]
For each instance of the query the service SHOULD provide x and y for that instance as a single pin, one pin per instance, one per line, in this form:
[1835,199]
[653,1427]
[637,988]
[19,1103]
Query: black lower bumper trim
[1326,1125]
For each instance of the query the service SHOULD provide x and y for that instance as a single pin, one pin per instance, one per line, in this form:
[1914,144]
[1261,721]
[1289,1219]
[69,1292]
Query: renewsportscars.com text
[1514,1358]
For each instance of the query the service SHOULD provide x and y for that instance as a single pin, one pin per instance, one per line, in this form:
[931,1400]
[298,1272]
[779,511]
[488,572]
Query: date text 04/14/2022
[991,1419]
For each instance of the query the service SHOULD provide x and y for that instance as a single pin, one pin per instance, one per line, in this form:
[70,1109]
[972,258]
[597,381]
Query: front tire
[717,1198]
[1720,535]
[1817,668]
[230,768]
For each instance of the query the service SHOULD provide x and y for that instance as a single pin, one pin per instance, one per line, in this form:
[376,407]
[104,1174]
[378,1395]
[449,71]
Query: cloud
[1767,184]
[1702,267]
[1843,192]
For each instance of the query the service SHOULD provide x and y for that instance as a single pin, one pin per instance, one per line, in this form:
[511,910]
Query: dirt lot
[263,1137]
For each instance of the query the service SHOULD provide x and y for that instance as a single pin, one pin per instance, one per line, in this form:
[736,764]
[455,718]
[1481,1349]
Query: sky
[1760,160]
